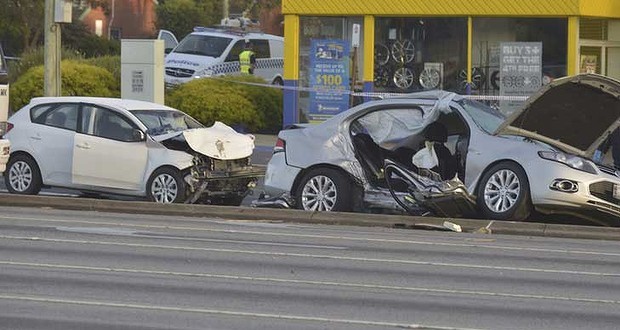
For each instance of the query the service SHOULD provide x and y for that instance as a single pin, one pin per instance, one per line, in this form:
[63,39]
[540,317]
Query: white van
[210,52]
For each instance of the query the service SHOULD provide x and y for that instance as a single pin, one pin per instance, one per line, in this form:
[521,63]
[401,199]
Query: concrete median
[298,216]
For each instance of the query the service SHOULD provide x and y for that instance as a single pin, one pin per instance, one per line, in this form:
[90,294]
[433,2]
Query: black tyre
[504,193]
[278,82]
[325,189]
[22,175]
[166,186]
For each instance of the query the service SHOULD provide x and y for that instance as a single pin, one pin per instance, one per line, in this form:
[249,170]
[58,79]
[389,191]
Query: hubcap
[319,194]
[502,191]
[164,189]
[20,176]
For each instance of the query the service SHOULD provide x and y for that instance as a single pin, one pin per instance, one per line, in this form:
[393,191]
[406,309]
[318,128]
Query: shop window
[328,62]
[593,29]
[490,33]
[413,54]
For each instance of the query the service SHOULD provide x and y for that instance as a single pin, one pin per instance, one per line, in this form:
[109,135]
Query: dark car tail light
[280,146]
[9,127]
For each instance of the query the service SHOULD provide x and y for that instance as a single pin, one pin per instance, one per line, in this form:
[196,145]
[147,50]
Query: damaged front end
[216,181]
[222,171]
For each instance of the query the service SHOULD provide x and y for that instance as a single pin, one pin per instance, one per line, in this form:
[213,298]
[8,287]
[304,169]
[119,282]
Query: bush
[255,108]
[210,100]
[78,79]
[35,57]
[267,101]
[112,63]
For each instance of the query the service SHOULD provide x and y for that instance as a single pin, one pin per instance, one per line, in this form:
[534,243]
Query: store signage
[520,72]
[329,78]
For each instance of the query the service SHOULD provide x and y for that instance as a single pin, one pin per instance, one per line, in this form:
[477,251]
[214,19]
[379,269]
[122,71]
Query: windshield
[203,45]
[160,122]
[487,118]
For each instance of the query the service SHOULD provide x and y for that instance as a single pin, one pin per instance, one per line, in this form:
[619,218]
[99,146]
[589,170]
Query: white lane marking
[313,256]
[131,233]
[309,282]
[228,313]
[345,238]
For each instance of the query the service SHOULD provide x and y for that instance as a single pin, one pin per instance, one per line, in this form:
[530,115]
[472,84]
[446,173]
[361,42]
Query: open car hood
[574,114]
[220,141]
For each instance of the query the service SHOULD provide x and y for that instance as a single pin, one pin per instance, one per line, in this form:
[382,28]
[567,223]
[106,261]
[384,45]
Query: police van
[208,52]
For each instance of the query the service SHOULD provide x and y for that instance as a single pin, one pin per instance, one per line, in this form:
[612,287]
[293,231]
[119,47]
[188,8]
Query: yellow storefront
[415,45]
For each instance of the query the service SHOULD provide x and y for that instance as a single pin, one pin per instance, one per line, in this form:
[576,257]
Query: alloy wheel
[319,194]
[502,191]
[20,176]
[164,188]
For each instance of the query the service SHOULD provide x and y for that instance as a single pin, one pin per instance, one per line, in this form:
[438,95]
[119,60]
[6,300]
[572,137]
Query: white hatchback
[127,147]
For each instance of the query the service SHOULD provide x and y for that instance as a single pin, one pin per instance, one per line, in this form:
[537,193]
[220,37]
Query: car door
[109,151]
[52,137]
[170,41]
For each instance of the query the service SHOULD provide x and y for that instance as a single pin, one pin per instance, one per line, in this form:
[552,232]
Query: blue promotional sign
[329,78]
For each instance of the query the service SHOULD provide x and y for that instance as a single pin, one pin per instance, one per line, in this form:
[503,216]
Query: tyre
[325,189]
[278,82]
[22,175]
[504,193]
[166,186]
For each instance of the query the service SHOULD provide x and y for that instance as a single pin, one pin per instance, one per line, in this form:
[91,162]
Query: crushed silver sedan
[537,159]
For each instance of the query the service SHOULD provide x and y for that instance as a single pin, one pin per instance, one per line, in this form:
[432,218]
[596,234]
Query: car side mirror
[138,135]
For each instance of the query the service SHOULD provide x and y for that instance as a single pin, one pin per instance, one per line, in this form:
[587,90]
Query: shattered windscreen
[160,122]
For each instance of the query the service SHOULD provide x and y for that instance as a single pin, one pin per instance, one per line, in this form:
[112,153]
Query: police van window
[261,48]
[233,56]
[196,44]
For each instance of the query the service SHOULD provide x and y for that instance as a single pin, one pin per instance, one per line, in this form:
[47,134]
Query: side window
[261,48]
[58,115]
[233,55]
[107,124]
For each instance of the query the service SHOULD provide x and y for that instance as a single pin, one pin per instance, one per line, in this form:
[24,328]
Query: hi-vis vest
[244,61]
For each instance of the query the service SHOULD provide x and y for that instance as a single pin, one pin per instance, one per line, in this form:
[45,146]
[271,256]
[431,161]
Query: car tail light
[9,127]
[280,146]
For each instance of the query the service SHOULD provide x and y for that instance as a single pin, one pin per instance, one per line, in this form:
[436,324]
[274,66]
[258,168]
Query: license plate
[617,191]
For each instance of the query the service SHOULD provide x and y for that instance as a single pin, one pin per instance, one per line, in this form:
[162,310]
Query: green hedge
[232,101]
[78,79]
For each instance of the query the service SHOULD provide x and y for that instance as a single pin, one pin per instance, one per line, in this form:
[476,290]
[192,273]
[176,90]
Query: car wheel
[324,189]
[504,193]
[166,186]
[22,176]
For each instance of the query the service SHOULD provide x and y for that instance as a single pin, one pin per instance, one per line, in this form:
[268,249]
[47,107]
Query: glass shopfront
[414,53]
[328,63]
[489,33]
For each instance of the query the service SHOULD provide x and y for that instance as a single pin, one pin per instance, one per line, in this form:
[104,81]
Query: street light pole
[225,9]
[51,86]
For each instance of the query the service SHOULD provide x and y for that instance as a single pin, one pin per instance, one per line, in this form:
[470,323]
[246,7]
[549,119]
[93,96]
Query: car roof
[118,103]
[235,34]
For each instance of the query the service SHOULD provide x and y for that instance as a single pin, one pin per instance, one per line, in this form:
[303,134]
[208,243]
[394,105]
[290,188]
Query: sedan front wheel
[504,193]
[166,186]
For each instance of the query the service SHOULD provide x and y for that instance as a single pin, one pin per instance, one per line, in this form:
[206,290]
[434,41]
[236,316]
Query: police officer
[247,59]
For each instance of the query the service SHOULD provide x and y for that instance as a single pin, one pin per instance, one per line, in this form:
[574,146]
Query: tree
[181,16]
[22,23]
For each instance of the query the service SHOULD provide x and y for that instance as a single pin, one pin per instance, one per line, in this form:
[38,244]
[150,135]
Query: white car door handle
[83,146]
[36,137]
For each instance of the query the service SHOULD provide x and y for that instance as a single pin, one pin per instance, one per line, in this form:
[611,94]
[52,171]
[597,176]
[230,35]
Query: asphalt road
[94,270]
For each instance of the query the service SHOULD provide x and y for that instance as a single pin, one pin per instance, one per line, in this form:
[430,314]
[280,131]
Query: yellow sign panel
[600,8]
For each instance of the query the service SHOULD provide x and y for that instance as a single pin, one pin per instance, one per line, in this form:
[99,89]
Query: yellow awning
[548,8]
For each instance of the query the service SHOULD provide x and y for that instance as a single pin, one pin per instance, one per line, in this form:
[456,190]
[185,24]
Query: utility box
[62,11]
[142,70]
